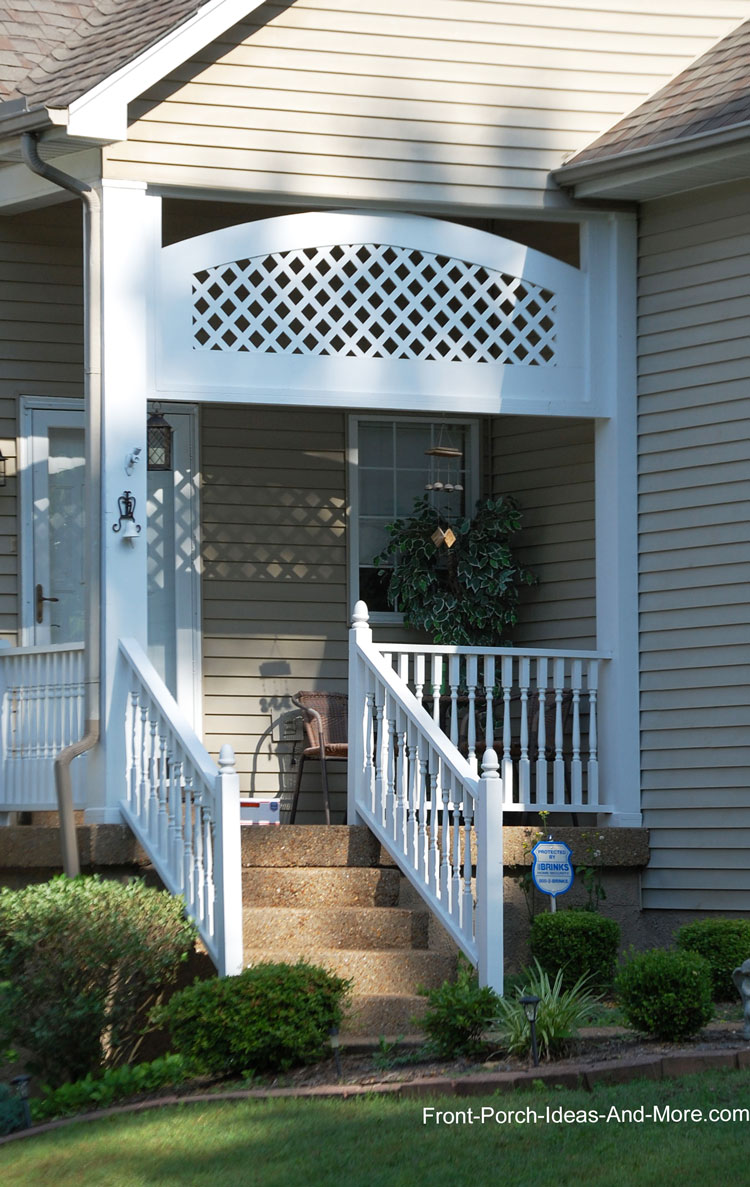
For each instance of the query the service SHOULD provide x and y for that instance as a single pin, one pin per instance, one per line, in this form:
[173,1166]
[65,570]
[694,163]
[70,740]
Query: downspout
[92,390]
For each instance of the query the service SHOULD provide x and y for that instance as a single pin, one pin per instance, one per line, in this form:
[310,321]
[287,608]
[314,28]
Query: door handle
[40,600]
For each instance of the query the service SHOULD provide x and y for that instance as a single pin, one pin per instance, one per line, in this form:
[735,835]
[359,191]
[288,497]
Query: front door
[55,577]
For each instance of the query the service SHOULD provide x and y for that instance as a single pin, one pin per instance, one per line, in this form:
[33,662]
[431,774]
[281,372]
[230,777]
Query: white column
[613,252]
[359,633]
[131,237]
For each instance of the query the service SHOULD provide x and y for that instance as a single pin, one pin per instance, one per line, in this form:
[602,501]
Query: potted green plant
[457,580]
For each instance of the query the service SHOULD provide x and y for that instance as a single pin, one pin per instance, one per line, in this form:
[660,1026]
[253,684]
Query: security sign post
[552,869]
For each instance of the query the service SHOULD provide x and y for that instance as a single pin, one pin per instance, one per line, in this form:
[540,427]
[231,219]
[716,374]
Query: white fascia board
[102,113]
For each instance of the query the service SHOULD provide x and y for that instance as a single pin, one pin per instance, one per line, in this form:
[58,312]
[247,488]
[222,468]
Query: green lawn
[382,1142]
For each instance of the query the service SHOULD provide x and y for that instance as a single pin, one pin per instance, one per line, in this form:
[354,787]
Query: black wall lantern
[158,441]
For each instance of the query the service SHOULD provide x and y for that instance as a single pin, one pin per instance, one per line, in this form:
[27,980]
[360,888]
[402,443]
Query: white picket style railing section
[537,709]
[184,809]
[41,712]
[431,811]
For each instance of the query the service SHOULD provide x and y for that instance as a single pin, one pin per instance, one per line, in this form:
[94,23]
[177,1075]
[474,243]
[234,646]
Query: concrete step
[306,929]
[302,845]
[372,972]
[315,887]
[383,1014]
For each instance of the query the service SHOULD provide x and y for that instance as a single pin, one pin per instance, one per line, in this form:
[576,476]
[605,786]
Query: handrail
[182,807]
[437,819]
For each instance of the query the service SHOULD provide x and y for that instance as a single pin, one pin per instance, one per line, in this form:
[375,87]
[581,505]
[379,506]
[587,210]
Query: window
[390,468]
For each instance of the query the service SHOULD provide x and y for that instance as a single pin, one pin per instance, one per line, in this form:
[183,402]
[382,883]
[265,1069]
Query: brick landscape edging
[659,1067]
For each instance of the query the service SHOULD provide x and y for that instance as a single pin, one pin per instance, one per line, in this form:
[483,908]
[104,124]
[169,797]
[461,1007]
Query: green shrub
[457,1014]
[581,943]
[725,943]
[666,993]
[269,1018]
[560,1013]
[113,1085]
[82,962]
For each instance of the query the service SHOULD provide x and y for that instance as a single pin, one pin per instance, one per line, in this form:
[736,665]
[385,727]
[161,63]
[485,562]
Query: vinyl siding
[694,521]
[274,577]
[41,351]
[451,102]
[548,464]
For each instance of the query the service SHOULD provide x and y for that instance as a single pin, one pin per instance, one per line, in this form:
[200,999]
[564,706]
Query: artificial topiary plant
[458,581]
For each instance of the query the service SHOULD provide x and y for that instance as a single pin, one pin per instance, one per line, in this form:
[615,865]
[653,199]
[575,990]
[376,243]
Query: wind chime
[447,474]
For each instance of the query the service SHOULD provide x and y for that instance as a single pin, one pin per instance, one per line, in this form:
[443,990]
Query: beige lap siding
[548,464]
[694,429]
[41,354]
[419,102]
[274,576]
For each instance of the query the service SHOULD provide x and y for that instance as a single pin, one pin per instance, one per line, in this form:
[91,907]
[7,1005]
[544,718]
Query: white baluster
[437,686]
[454,682]
[541,733]
[471,683]
[419,668]
[592,680]
[175,795]
[467,898]
[163,825]
[433,868]
[402,775]
[381,755]
[369,742]
[445,844]
[524,766]
[187,851]
[133,752]
[576,769]
[153,782]
[210,888]
[199,872]
[456,887]
[507,759]
[143,768]
[422,808]
[489,691]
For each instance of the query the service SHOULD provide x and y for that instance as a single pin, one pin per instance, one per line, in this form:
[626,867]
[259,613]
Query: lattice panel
[373,301]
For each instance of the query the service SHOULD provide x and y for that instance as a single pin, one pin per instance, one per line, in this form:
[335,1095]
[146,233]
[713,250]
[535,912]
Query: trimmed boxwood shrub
[82,963]
[581,943]
[666,993]
[725,943]
[457,1014]
[269,1018]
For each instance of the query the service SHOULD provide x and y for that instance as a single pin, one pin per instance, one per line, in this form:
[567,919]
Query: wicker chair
[325,717]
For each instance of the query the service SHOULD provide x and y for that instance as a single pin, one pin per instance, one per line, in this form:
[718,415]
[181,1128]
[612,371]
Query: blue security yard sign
[552,869]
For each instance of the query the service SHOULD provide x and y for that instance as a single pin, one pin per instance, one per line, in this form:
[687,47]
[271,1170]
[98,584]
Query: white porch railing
[184,809]
[425,803]
[537,709]
[41,712]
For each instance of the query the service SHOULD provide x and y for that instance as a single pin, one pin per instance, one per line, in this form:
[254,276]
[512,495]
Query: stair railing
[439,820]
[183,808]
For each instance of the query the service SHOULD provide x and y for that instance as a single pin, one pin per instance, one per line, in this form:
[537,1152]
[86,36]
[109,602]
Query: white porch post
[613,247]
[360,632]
[131,236]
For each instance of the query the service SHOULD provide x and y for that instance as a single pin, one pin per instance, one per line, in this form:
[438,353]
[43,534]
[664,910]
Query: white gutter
[92,285]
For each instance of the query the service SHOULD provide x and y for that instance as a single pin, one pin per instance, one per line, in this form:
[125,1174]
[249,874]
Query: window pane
[376,492]
[376,445]
[372,589]
[410,485]
[372,539]
[411,443]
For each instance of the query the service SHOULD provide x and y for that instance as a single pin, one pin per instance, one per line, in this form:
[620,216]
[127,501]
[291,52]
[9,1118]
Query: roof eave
[662,168]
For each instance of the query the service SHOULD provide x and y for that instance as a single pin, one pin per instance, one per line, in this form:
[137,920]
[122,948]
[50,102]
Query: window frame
[472,484]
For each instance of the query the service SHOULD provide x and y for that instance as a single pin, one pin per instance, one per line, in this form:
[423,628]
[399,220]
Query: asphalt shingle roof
[53,51]
[711,94]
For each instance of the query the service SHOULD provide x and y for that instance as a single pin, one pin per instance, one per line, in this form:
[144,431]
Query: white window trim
[473,488]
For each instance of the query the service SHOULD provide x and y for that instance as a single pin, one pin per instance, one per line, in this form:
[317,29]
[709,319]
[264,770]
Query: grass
[382,1142]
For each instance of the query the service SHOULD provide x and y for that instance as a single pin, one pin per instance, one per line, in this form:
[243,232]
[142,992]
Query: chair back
[326,715]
